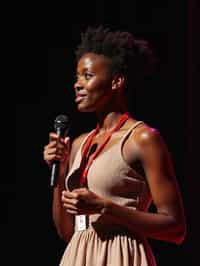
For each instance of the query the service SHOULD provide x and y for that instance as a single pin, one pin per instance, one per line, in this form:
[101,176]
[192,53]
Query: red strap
[87,146]
[84,170]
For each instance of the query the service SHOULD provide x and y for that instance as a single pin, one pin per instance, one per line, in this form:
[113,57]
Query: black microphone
[61,126]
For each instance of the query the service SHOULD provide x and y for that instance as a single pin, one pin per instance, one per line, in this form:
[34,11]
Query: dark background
[168,102]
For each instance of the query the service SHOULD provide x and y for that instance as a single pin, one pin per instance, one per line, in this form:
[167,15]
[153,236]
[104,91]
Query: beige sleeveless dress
[104,243]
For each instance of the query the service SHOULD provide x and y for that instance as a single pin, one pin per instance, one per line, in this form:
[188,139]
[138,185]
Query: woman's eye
[88,76]
[85,76]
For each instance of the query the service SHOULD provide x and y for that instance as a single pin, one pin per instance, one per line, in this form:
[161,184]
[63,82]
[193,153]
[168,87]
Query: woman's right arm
[59,149]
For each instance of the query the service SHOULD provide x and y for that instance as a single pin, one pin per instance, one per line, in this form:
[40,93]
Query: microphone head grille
[61,121]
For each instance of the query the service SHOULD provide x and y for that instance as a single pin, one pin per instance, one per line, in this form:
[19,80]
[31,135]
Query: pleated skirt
[91,248]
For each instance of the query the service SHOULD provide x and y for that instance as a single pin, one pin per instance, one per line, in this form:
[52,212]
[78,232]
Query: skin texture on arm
[168,224]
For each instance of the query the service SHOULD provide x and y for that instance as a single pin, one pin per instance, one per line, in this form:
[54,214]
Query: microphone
[61,126]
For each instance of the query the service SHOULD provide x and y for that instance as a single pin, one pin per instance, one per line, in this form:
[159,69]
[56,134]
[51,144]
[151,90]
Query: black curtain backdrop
[167,101]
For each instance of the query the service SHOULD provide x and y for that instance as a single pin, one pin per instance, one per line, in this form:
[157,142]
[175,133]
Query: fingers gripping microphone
[61,125]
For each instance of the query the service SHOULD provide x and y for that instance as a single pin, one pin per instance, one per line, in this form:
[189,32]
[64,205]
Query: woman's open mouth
[79,98]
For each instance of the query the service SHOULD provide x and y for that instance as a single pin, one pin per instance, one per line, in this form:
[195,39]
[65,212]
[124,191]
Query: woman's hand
[57,149]
[82,201]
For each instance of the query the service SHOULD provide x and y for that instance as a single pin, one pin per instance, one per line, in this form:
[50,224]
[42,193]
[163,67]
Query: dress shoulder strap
[84,141]
[131,129]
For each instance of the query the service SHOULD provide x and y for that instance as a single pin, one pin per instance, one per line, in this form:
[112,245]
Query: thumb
[67,144]
[66,140]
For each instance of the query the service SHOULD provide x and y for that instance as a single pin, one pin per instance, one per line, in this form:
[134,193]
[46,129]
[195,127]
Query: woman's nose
[78,85]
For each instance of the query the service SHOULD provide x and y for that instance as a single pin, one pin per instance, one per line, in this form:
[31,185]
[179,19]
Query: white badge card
[81,221]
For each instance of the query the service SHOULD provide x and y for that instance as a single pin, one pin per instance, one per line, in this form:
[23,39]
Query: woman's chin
[85,109]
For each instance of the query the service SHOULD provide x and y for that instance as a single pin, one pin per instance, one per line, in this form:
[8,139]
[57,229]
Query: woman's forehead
[93,62]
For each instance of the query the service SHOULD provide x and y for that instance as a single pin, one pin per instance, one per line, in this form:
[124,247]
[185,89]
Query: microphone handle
[54,173]
[55,167]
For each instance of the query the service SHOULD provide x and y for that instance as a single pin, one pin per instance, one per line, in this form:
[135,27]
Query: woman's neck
[107,120]
[110,114]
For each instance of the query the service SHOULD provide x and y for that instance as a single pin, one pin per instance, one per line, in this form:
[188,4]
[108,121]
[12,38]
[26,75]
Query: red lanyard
[85,168]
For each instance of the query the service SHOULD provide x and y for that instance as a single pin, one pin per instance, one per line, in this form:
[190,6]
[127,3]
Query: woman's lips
[79,98]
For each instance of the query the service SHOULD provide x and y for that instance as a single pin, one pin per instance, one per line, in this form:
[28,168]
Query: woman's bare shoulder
[146,134]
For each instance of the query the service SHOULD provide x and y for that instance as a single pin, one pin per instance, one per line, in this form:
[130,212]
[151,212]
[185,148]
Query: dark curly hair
[130,56]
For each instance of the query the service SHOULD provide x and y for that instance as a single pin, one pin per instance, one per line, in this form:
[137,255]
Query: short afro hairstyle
[130,56]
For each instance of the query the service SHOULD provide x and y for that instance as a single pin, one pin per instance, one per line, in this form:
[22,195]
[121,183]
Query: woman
[100,207]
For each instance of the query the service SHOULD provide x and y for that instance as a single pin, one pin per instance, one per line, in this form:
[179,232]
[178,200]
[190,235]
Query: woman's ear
[118,82]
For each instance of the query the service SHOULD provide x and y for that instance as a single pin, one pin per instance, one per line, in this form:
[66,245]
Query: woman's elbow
[65,235]
[179,234]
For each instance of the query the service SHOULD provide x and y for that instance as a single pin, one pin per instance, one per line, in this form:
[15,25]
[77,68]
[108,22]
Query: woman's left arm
[168,223]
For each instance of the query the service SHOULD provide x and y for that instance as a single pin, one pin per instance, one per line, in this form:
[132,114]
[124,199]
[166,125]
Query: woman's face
[93,87]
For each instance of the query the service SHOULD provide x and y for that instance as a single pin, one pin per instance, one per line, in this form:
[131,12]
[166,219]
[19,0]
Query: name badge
[81,222]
